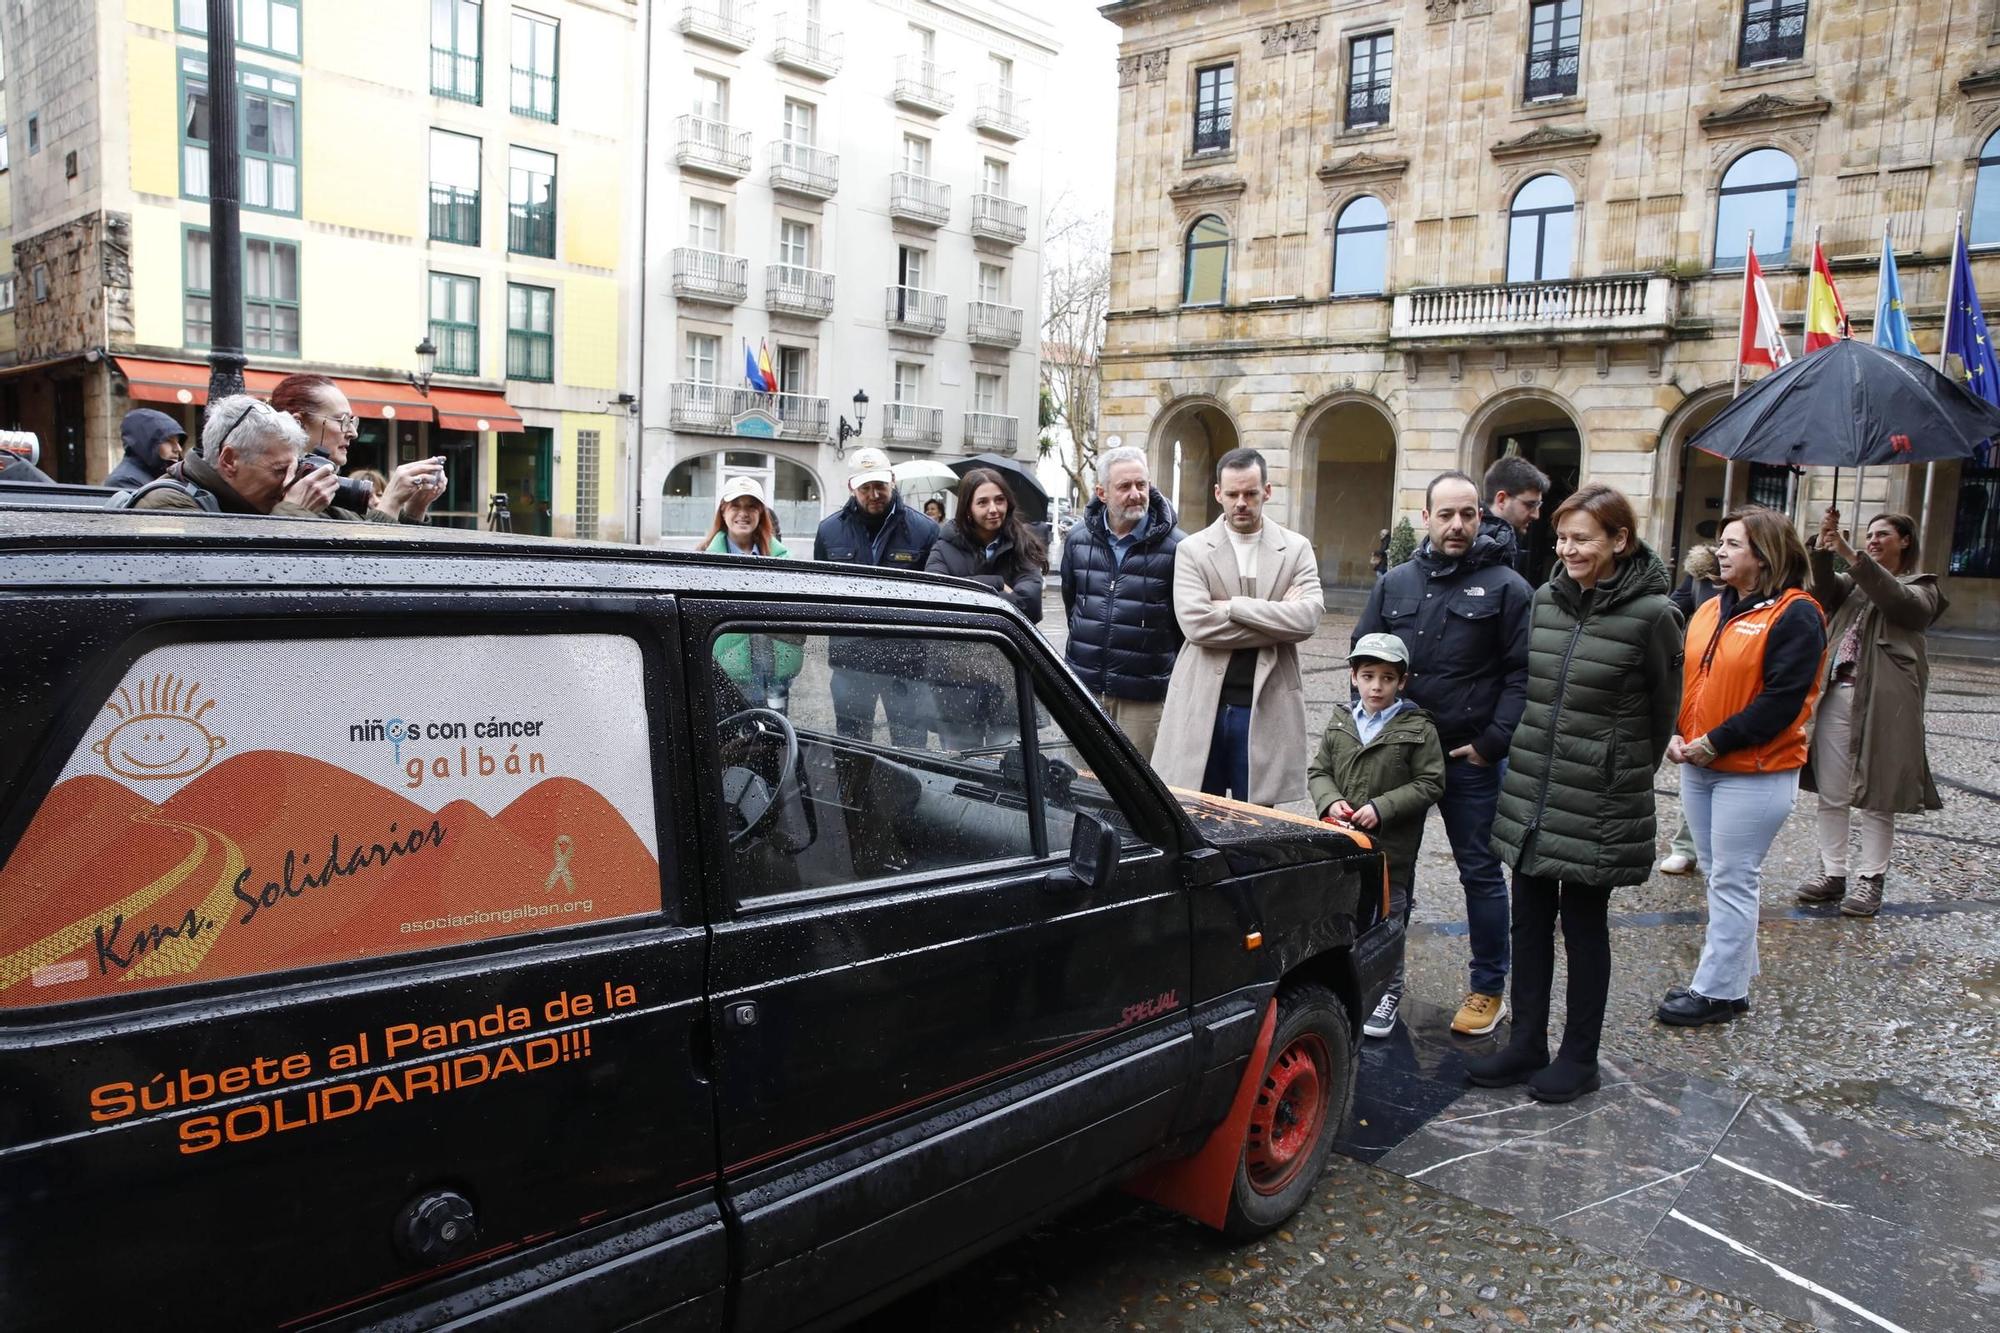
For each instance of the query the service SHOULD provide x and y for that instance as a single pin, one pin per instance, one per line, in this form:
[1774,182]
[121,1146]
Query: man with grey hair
[1118,596]
[249,464]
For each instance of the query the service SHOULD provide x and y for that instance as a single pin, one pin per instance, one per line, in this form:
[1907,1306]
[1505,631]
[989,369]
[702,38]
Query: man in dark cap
[154,442]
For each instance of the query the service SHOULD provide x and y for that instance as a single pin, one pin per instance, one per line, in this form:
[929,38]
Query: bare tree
[1076,292]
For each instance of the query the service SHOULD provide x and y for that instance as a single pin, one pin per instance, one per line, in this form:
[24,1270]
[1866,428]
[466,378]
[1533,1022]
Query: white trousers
[1833,774]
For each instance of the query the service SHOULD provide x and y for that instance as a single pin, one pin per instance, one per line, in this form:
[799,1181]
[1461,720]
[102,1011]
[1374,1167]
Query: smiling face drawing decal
[159,732]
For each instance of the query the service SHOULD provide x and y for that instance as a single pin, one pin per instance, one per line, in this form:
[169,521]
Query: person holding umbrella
[1751,675]
[1867,759]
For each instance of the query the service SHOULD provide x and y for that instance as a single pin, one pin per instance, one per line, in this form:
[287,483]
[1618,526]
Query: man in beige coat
[1245,592]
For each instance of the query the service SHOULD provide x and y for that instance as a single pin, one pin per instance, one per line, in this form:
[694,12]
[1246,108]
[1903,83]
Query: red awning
[474,409]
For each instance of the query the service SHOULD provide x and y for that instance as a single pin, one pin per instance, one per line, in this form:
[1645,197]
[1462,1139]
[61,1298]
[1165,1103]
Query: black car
[403,927]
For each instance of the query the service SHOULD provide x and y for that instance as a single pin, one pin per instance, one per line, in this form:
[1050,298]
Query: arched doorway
[1696,478]
[687,504]
[1190,438]
[1542,431]
[1349,495]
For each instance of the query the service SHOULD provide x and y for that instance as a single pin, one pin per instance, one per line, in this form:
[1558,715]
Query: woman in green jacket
[1576,806]
[763,666]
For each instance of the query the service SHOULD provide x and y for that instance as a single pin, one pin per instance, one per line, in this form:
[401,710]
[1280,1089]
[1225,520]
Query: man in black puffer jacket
[1464,614]
[1118,596]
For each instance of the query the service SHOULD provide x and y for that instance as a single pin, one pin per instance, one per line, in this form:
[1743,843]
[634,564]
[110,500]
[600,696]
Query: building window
[704,355]
[34,135]
[995,178]
[1555,44]
[531,333]
[270,296]
[6,292]
[1975,530]
[1760,192]
[5,162]
[1361,248]
[1772,30]
[533,82]
[588,447]
[1541,231]
[1205,271]
[801,123]
[1369,61]
[197,311]
[1986,195]
[909,268]
[992,284]
[40,277]
[989,394]
[1214,107]
[455,323]
[795,244]
[268,109]
[705,220]
[454,188]
[456,44]
[194,127]
[916,155]
[531,203]
[909,382]
[263,25]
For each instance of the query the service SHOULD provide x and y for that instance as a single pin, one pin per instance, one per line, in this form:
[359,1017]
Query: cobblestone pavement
[1894,1023]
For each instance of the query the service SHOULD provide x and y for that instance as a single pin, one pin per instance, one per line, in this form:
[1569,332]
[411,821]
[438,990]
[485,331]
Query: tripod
[499,518]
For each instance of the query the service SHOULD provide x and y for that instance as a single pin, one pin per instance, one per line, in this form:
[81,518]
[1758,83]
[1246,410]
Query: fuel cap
[435,1227]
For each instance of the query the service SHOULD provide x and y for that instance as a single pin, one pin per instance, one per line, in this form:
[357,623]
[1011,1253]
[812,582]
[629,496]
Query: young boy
[1380,768]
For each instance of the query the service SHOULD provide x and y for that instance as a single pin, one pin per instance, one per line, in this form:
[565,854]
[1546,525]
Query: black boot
[1534,947]
[1564,1081]
[1507,1066]
[1587,944]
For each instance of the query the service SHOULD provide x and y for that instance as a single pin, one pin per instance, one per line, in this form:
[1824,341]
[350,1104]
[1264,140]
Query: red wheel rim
[1290,1110]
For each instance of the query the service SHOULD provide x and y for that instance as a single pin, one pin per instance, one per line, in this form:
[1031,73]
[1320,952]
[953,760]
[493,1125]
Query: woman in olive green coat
[1576,807]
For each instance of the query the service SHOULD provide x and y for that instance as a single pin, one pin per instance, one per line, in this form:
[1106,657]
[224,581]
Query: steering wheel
[751,798]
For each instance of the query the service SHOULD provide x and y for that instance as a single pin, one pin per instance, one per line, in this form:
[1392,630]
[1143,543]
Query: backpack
[205,498]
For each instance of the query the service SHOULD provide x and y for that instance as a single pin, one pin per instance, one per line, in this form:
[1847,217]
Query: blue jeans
[1734,817]
[1471,794]
[1228,771]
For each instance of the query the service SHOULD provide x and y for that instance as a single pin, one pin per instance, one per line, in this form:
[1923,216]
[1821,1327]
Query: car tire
[1302,1103]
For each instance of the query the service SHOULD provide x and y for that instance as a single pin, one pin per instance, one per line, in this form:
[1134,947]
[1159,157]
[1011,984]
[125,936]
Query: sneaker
[1383,1021]
[1866,900]
[1825,889]
[1676,864]
[1480,1014]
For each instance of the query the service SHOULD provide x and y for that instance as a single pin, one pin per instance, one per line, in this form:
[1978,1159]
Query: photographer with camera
[323,411]
[250,463]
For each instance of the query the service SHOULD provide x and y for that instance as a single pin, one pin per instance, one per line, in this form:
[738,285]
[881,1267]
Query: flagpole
[1950,299]
[1736,380]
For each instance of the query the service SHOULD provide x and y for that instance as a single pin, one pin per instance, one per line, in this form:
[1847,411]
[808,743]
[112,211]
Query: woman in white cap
[762,666]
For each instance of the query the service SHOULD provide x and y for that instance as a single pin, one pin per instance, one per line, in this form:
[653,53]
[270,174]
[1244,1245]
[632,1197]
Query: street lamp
[427,360]
[848,432]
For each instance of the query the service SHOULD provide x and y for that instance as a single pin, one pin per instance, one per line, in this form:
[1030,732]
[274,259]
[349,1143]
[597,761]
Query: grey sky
[1081,107]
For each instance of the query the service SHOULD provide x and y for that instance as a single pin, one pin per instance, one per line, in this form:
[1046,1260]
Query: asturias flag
[1826,317]
[1761,341]
[1892,323]
[1965,335]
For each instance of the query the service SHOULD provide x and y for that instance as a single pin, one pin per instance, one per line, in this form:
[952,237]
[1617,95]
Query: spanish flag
[1826,317]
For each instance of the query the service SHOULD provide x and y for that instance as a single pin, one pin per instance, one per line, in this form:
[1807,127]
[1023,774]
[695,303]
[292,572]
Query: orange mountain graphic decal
[271,860]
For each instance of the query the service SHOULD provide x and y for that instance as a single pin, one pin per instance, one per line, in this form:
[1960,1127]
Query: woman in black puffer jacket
[987,543]
[1576,808]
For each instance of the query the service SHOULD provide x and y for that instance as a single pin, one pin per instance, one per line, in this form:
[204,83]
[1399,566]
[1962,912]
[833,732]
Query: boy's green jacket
[1401,771]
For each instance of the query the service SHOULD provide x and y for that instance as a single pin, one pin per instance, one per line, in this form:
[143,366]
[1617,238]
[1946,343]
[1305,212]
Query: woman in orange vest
[1752,674]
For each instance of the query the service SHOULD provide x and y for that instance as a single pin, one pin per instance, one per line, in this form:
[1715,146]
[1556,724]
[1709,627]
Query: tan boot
[1866,900]
[1825,889]
[1479,1015]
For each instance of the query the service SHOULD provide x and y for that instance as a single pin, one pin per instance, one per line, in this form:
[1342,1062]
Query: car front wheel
[1301,1105]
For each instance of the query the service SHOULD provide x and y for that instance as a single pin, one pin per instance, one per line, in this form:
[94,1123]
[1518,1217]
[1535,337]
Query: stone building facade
[1377,239]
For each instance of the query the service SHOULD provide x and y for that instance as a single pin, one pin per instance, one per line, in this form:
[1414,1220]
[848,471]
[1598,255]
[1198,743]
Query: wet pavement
[1831,1159]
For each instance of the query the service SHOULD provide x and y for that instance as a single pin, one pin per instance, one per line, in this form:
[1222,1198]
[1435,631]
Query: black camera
[349,493]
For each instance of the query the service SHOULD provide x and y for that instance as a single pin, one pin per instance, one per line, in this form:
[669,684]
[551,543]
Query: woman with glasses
[323,411]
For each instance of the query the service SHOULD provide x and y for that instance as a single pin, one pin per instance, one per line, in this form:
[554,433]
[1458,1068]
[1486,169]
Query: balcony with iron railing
[707,408]
[792,290]
[1552,72]
[990,433]
[531,230]
[457,346]
[454,75]
[802,417]
[921,85]
[999,113]
[712,146]
[725,23]
[993,325]
[996,218]
[919,199]
[803,169]
[710,276]
[1772,32]
[531,356]
[908,426]
[803,45]
[1637,307]
[912,310]
[454,215]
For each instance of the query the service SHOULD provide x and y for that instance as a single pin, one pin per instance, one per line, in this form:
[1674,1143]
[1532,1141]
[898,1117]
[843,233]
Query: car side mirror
[1093,851]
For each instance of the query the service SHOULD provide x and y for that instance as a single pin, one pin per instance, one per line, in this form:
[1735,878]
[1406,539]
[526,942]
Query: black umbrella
[1029,497]
[1851,405]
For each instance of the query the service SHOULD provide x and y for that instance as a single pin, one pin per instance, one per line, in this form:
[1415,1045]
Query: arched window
[1760,192]
[1541,231]
[1205,274]
[1361,247]
[1986,196]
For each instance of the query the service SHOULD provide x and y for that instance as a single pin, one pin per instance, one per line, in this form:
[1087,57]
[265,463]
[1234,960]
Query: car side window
[1070,785]
[866,755]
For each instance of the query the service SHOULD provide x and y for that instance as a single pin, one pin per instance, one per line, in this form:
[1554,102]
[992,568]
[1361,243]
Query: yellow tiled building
[452,172]
[1381,238]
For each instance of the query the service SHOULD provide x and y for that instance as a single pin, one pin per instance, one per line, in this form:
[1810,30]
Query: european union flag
[1892,323]
[1965,335]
